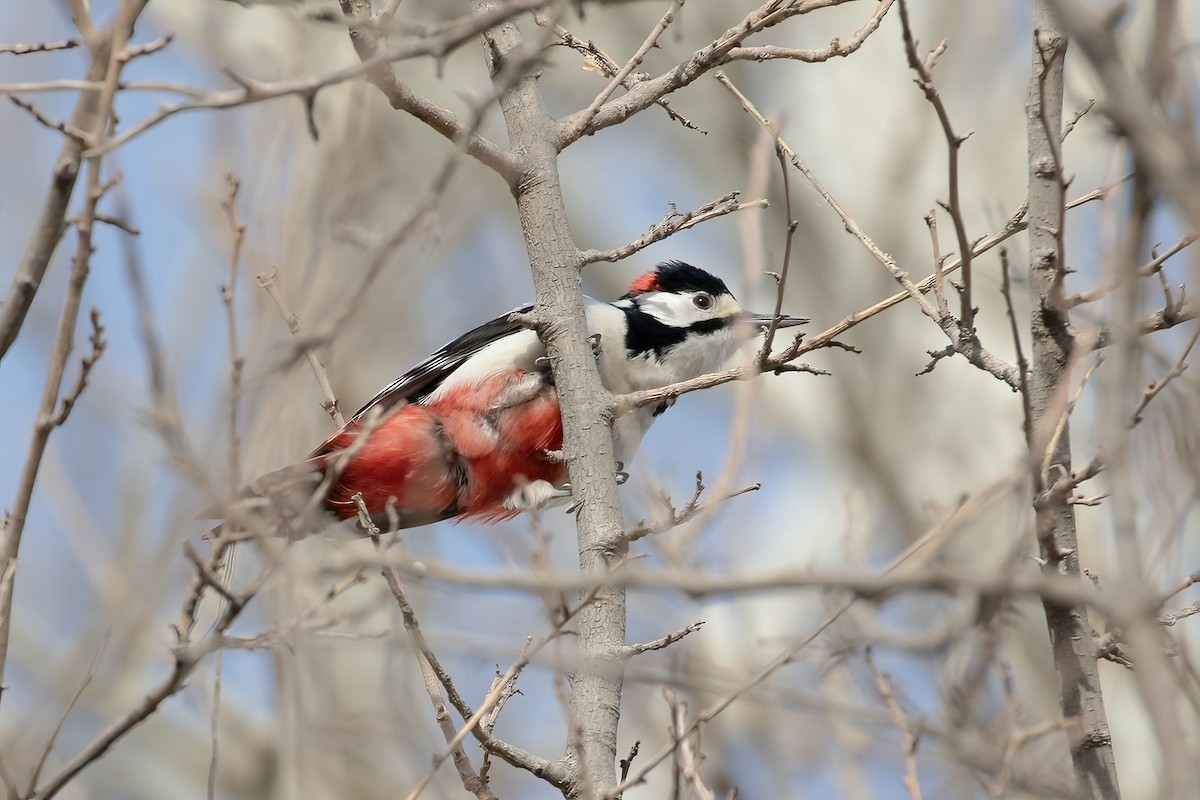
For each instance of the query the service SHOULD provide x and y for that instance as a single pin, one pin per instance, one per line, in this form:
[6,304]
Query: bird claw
[620,474]
[543,362]
[594,341]
[575,506]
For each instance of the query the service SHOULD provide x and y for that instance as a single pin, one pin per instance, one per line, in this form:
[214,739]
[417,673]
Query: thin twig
[81,137]
[236,363]
[98,343]
[471,780]
[1022,363]
[672,223]
[693,508]
[623,74]
[789,237]
[887,690]
[269,282]
[954,144]
[1156,387]
[97,113]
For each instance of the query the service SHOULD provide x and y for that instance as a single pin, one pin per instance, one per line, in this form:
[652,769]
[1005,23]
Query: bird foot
[620,474]
[594,341]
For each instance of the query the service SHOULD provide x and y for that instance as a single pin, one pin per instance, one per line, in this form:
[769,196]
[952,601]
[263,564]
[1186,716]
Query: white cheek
[675,310]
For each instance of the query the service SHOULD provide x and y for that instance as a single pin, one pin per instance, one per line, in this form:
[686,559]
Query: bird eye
[703,301]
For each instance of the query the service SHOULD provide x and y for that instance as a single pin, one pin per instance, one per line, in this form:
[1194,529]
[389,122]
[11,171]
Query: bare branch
[835,49]
[379,71]
[672,223]
[887,690]
[709,57]
[596,60]
[693,508]
[662,642]
[98,344]
[67,129]
[39,47]
[1156,387]
[439,119]
[90,114]
[622,75]
[954,144]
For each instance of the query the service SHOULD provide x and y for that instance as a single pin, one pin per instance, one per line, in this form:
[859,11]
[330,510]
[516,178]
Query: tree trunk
[1071,637]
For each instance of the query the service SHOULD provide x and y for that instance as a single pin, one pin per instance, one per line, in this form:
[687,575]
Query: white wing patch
[517,351]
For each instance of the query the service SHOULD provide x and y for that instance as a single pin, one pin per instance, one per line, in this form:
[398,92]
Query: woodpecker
[473,431]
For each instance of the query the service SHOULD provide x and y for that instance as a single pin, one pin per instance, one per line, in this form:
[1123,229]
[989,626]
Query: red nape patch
[645,283]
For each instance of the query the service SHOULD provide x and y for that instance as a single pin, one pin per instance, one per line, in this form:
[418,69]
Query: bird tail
[288,502]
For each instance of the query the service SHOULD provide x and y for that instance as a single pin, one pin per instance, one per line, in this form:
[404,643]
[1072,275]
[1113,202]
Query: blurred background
[854,466]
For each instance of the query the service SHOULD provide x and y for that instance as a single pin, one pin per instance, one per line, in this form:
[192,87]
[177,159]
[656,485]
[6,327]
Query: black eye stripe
[646,333]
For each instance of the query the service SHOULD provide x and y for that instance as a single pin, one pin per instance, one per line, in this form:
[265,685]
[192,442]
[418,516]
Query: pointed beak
[762,322]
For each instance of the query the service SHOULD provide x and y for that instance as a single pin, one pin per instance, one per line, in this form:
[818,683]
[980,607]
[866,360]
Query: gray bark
[555,262]
[1071,637]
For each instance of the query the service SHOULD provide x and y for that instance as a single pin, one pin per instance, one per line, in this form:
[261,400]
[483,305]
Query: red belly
[460,455]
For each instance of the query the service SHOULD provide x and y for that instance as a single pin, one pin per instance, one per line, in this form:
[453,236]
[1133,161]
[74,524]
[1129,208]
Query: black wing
[421,381]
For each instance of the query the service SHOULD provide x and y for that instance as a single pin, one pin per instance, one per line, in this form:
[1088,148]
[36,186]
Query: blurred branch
[88,676]
[307,88]
[269,281]
[436,678]
[988,584]
[1166,149]
[1156,387]
[402,97]
[237,363]
[164,415]
[426,661]
[90,115]
[887,691]
[67,85]
[187,656]
[1152,267]
[969,509]
[687,757]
